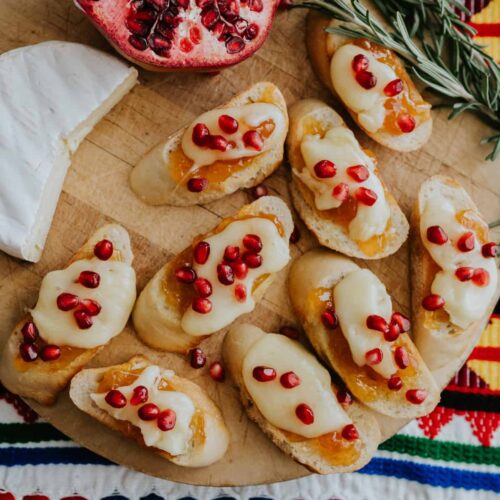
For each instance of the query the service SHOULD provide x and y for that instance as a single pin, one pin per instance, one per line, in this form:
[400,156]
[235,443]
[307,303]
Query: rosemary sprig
[443,55]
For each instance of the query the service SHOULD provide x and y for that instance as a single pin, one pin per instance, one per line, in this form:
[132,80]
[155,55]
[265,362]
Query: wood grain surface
[96,191]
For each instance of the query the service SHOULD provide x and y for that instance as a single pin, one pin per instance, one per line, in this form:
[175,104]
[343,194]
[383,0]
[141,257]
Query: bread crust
[321,47]
[37,380]
[152,183]
[235,346]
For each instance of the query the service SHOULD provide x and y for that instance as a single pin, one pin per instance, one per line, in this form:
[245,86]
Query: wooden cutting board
[96,191]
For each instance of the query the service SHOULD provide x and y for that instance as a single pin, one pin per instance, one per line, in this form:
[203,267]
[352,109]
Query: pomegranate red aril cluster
[32,347]
[365,78]
[398,324]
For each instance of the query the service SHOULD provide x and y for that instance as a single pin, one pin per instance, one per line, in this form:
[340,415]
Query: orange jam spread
[363,381]
[407,102]
[68,355]
[472,220]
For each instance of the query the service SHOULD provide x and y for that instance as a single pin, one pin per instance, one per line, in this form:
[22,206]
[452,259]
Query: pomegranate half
[198,35]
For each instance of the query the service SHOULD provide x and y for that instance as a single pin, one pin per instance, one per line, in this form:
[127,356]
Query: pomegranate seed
[341,191]
[416,396]
[395,383]
[264,373]
[200,134]
[402,321]
[253,139]
[137,27]
[201,305]
[30,332]
[195,34]
[185,274]
[83,320]
[375,322]
[252,31]
[89,279]
[138,42]
[344,397]
[160,45]
[218,142]
[350,432]
[234,44]
[393,88]
[252,260]
[295,235]
[366,196]
[29,352]
[240,25]
[489,249]
[305,414]
[432,302]
[359,63]
[166,420]
[358,172]
[197,358]
[103,249]
[325,169]
[436,235]
[392,332]
[466,242]
[197,184]
[67,301]
[255,5]
[481,277]
[240,292]
[203,287]
[228,124]
[140,395]
[252,242]
[464,273]
[406,123]
[329,319]
[225,274]
[116,399]
[259,191]
[290,332]
[148,412]
[401,357]
[239,268]
[50,352]
[366,79]
[289,380]
[217,371]
[185,45]
[201,252]
[231,253]
[91,307]
[209,16]
[374,356]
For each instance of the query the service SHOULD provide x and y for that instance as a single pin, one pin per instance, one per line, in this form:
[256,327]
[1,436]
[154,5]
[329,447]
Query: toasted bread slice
[321,47]
[307,451]
[153,180]
[313,116]
[42,380]
[202,452]
[311,278]
[441,342]
[158,321]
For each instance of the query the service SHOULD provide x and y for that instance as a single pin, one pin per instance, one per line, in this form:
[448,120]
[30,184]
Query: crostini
[337,188]
[216,279]
[79,309]
[454,272]
[286,391]
[160,410]
[232,147]
[373,85]
[349,319]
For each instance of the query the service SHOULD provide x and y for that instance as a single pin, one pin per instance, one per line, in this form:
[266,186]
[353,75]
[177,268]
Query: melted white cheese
[277,403]
[465,302]
[225,308]
[359,295]
[175,441]
[367,103]
[249,116]
[341,147]
[116,294]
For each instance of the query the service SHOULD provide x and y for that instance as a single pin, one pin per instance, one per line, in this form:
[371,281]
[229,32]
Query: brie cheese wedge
[51,96]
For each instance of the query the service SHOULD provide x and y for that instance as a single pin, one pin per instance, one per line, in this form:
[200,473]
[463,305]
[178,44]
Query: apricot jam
[363,381]
[407,102]
[68,355]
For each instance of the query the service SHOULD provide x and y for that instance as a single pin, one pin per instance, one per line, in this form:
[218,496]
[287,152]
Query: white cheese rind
[277,403]
[51,95]
[175,441]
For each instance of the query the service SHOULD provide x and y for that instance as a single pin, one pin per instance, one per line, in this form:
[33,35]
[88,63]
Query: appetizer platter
[235,277]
